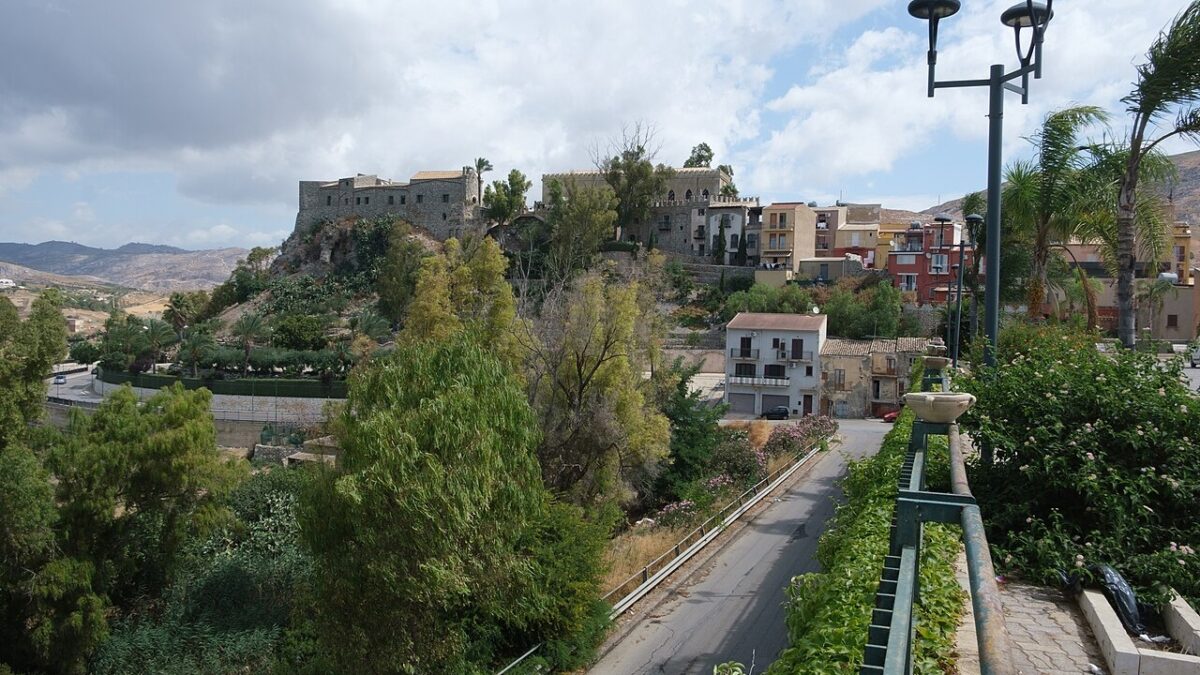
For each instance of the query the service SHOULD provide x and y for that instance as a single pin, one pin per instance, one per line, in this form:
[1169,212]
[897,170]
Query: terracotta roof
[757,321]
[843,347]
[911,344]
[883,346]
[436,175]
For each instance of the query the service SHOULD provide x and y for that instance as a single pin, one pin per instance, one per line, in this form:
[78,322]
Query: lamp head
[1026,14]
[942,219]
[974,219]
[933,9]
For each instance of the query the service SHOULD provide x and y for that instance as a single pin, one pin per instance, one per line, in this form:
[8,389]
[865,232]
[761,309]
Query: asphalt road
[732,609]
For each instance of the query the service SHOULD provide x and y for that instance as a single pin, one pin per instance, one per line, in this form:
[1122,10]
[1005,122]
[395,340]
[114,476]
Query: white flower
[1079,563]
[1079,556]
[1029,520]
[1090,456]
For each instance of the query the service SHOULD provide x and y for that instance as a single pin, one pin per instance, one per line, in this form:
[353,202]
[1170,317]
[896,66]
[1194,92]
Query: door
[808,404]
[741,403]
[771,400]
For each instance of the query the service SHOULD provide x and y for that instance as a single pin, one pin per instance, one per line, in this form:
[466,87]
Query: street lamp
[942,219]
[1028,14]
[973,222]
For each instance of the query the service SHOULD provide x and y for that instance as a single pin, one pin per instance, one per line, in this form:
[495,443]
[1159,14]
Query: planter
[939,407]
[1124,657]
[936,362]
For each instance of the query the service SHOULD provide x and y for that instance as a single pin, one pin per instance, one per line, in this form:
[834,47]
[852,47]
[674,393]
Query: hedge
[829,612]
[239,387]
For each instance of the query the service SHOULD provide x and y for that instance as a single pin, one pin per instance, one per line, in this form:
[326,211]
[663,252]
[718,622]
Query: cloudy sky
[190,123]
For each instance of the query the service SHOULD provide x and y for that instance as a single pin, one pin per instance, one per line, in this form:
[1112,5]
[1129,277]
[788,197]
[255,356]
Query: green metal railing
[893,629]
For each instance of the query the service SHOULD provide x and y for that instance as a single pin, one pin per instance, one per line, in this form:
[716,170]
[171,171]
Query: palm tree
[482,166]
[1168,81]
[372,325]
[248,329]
[1153,294]
[1044,197]
[157,334]
[196,347]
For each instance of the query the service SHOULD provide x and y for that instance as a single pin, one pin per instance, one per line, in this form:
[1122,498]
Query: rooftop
[436,175]
[763,321]
[844,347]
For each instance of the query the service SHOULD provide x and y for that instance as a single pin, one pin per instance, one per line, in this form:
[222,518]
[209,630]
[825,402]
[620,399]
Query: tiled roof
[436,175]
[843,347]
[757,321]
[883,346]
[911,344]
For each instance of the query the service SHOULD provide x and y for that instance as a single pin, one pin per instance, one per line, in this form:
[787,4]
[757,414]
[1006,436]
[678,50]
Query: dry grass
[758,431]
[632,550]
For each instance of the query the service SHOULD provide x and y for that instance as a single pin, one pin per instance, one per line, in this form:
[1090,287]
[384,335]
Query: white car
[60,379]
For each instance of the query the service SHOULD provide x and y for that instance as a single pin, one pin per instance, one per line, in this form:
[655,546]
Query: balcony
[795,356]
[740,353]
[885,371]
[699,233]
[761,381]
[910,247]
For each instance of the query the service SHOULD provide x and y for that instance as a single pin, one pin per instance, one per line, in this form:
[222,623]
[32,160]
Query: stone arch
[688,195]
[671,196]
[704,194]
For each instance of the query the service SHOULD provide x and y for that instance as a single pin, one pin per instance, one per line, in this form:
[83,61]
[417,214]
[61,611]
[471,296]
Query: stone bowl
[933,349]
[936,362]
[937,406]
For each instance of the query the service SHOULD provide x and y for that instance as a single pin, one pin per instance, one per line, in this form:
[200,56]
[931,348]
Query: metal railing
[785,355]
[743,353]
[893,628]
[760,381]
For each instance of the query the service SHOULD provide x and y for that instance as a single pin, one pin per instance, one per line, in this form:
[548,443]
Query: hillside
[144,266]
[1186,192]
[26,276]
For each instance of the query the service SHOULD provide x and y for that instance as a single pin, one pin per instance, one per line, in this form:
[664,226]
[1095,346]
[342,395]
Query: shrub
[1094,457]
[732,456]
[799,436]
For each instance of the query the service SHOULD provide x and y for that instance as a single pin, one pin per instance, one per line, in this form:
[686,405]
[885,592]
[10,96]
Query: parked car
[891,417]
[1195,358]
[60,379]
[779,412]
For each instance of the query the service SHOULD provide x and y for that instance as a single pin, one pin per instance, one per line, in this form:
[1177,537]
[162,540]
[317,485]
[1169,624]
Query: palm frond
[1170,76]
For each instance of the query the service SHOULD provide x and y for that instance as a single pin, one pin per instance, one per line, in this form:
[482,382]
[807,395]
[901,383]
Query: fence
[892,630]
[656,571]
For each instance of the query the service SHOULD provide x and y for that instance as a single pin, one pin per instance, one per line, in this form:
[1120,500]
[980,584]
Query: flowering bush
[676,513]
[734,457]
[718,482]
[800,435]
[1094,461]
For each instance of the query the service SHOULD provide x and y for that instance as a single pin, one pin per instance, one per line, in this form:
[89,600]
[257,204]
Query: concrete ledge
[1167,663]
[1183,623]
[1119,652]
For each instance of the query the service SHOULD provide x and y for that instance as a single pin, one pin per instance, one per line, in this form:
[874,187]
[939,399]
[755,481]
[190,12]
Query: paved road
[733,610]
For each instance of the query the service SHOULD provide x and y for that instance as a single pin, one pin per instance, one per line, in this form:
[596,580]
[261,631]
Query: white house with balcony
[773,360]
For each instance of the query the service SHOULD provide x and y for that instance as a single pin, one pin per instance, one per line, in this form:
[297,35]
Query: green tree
[694,434]
[398,276]
[439,437]
[372,325]
[741,255]
[185,308]
[28,351]
[1046,197]
[249,330]
[579,220]
[482,166]
[431,316]
[299,331]
[631,173]
[505,200]
[1168,82]
[718,251]
[196,348]
[481,297]
[158,334]
[1154,292]
[701,156]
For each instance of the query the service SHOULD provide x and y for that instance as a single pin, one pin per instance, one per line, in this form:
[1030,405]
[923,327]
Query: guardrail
[657,570]
[892,630]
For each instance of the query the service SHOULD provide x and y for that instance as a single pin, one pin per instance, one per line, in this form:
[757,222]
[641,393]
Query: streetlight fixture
[942,220]
[1028,14]
[974,220]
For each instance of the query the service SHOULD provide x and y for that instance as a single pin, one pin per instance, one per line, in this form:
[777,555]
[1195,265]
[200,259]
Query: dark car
[779,412]
[891,417]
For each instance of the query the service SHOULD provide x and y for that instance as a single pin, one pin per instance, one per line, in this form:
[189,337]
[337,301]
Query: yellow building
[883,241]
[788,235]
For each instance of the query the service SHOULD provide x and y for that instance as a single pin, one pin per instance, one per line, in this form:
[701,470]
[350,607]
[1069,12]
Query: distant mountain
[1185,193]
[150,267]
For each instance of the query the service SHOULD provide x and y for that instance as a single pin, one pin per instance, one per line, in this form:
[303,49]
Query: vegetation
[634,178]
[505,200]
[1092,459]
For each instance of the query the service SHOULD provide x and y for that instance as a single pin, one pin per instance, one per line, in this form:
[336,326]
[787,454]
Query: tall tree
[1154,293]
[250,329]
[1045,197]
[630,171]
[28,350]
[196,348]
[718,251]
[184,308]
[398,275]
[1168,82]
[505,200]
[701,156]
[579,220]
[439,437]
[482,166]
[430,315]
[158,334]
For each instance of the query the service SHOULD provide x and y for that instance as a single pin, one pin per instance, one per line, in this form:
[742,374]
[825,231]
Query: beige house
[866,378]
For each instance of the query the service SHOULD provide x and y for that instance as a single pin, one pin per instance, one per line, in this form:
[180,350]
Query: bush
[85,351]
[732,456]
[1094,457]
[792,439]
[620,246]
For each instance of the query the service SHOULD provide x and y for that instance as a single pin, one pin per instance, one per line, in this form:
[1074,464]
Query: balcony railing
[910,248]
[743,353]
[761,381]
[800,356]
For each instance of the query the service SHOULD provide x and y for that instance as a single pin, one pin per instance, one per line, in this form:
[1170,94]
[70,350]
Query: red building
[924,259]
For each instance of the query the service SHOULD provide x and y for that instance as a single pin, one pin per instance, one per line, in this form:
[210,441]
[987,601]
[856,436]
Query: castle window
[347,200]
[420,199]
[357,201]
[704,193]
[366,200]
[688,195]
[445,198]
[443,216]
[671,196]
[328,200]
[391,199]
[403,199]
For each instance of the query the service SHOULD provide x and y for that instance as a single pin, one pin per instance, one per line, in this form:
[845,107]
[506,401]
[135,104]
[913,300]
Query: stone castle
[445,203]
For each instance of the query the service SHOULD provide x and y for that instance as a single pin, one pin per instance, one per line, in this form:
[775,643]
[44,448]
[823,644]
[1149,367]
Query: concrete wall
[230,433]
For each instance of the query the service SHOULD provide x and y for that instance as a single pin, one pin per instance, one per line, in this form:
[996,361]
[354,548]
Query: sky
[191,123]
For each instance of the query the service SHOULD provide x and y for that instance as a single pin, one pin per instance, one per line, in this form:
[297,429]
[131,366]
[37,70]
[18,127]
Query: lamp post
[1027,14]
[942,220]
[973,220]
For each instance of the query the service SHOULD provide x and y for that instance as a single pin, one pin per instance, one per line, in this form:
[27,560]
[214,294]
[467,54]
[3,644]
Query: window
[908,282]
[783,241]
[366,200]
[823,271]
[876,386]
[752,241]
[704,193]
[403,198]
[776,370]
[839,379]
[772,241]
[700,211]
[854,239]
[1172,321]
[822,222]
[443,216]
[347,200]
[939,263]
[733,240]
[357,201]
[420,199]
[671,196]
[716,239]
[328,200]
[906,259]
[391,199]
[743,369]
[783,219]
[808,371]
[445,198]
[688,195]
